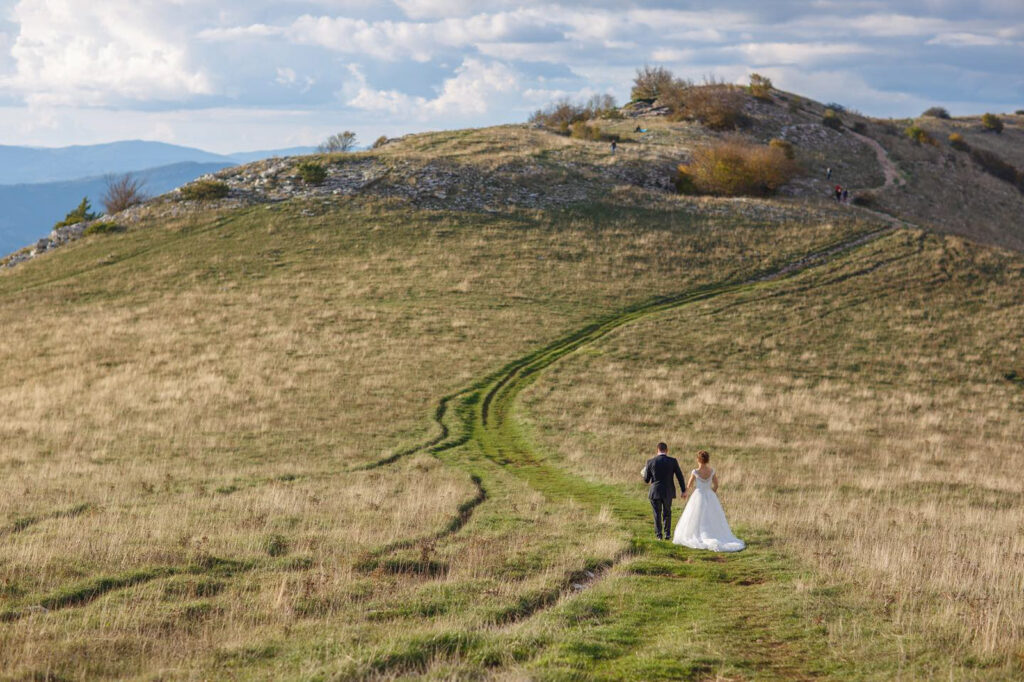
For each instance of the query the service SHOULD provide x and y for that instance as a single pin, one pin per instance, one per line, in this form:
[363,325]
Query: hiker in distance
[659,471]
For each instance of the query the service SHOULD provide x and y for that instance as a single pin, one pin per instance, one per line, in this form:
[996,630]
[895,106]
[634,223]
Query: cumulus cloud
[98,53]
[434,63]
[477,88]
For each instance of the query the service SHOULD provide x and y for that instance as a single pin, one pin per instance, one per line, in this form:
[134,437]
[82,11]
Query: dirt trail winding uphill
[892,174]
[483,418]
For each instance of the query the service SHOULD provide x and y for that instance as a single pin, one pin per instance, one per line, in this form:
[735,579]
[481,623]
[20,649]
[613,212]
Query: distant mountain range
[39,185]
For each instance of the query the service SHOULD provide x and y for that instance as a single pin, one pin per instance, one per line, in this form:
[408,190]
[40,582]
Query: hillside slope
[30,210]
[389,425]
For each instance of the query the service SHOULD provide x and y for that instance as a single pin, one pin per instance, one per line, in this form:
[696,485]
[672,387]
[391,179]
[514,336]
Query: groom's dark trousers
[659,472]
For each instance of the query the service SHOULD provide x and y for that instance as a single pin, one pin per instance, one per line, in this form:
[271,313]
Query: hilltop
[927,181]
[380,415]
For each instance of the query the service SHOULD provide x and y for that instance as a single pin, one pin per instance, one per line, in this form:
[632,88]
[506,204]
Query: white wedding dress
[703,524]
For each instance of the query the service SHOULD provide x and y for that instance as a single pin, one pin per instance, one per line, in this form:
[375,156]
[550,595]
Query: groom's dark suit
[659,472]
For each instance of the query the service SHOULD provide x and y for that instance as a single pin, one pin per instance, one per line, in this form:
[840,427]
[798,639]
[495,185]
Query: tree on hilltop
[339,142]
[651,82]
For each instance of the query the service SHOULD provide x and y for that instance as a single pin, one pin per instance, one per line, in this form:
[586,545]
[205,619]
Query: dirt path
[892,174]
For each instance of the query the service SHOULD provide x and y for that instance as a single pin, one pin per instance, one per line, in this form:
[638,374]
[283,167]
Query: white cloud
[477,88]
[269,57]
[96,53]
[389,40]
[967,40]
[797,53]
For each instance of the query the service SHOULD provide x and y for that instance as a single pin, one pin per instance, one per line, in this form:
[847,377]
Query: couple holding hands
[703,524]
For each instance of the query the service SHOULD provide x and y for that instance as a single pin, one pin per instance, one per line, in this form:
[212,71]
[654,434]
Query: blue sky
[234,75]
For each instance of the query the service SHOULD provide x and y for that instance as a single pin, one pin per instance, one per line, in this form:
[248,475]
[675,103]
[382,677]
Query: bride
[703,524]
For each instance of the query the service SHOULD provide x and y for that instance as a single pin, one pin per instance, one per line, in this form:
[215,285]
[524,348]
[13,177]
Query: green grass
[351,410]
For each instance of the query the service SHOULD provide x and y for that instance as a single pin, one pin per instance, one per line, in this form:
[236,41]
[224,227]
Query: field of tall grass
[867,416]
[202,421]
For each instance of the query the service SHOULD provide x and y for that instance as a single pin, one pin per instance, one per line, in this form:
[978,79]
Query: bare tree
[123,192]
[339,142]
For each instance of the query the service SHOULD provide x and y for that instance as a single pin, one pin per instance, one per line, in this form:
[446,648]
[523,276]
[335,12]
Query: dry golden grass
[183,408]
[862,415]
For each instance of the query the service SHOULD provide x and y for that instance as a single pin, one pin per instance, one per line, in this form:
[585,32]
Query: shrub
[339,142]
[992,122]
[602,106]
[379,142]
[835,106]
[204,190]
[785,145]
[102,227]
[936,112]
[562,114]
[718,106]
[760,86]
[1019,112]
[737,168]
[866,199]
[275,545]
[919,135]
[79,214]
[684,181]
[860,127]
[581,130]
[957,142]
[122,193]
[831,119]
[311,172]
[559,115]
[651,82]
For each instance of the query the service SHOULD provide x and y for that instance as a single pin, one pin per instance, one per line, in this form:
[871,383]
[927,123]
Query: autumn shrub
[379,142]
[718,106]
[760,86]
[919,135]
[785,145]
[737,168]
[992,122]
[831,119]
[562,114]
[936,112]
[684,181]
[204,190]
[957,142]
[581,130]
[651,82]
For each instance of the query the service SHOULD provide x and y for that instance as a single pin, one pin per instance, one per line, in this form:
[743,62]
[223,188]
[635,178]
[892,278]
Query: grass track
[654,601]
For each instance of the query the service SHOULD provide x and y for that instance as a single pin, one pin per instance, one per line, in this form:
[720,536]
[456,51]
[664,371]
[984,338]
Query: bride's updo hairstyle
[703,457]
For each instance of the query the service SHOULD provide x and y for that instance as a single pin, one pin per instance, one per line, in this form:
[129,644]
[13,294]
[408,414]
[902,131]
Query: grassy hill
[391,425]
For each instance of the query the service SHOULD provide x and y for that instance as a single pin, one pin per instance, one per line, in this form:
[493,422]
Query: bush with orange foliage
[735,168]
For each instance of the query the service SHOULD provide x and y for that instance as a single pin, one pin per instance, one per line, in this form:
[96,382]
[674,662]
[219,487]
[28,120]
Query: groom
[659,472]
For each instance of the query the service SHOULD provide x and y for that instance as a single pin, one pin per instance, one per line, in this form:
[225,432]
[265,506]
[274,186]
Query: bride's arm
[689,486]
[714,482]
